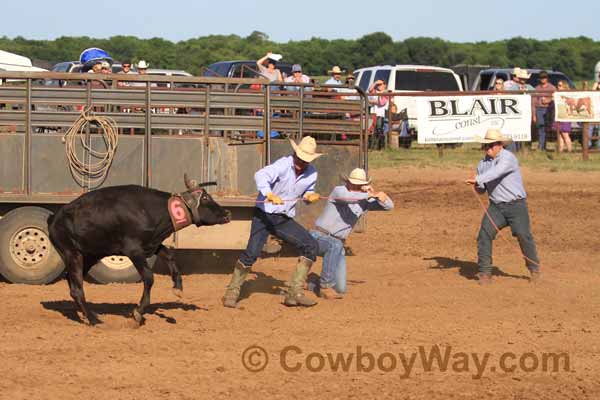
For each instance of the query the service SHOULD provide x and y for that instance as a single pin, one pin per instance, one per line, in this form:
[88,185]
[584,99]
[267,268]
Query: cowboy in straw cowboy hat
[336,76]
[280,185]
[499,174]
[345,205]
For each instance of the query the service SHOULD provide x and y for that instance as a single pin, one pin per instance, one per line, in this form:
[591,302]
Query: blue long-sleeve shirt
[280,179]
[501,178]
[344,208]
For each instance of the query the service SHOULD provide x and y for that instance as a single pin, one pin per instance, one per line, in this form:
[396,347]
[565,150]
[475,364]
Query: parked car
[409,78]
[170,72]
[241,69]
[486,78]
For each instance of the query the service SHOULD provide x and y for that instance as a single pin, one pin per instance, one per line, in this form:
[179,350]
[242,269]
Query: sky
[282,21]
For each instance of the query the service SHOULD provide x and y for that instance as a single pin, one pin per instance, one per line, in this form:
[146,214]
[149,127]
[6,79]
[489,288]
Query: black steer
[127,220]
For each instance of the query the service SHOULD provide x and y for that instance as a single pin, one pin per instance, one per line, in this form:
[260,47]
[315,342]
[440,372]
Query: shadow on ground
[69,309]
[468,269]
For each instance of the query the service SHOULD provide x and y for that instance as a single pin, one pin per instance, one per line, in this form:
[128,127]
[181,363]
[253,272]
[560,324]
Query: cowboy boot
[240,272]
[295,295]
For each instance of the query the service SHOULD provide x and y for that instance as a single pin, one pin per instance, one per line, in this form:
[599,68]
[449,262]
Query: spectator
[336,76]
[349,81]
[96,68]
[379,106]
[105,68]
[515,82]
[541,108]
[594,129]
[563,129]
[498,85]
[126,65]
[297,77]
[142,67]
[270,71]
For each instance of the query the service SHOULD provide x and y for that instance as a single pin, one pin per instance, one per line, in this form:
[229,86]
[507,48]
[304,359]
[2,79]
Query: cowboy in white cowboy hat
[280,185]
[345,205]
[499,174]
[142,67]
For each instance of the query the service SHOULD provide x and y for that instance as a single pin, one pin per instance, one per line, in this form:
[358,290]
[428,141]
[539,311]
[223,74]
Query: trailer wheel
[116,269]
[26,254]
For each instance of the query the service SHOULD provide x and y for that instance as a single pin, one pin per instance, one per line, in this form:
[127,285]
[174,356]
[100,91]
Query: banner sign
[460,119]
[577,106]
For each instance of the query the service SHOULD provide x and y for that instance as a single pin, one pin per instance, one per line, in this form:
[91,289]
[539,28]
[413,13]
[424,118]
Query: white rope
[95,173]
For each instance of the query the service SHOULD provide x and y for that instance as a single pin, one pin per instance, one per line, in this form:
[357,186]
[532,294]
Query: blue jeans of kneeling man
[332,250]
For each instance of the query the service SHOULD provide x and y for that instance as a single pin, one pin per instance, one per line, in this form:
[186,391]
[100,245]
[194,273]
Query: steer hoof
[178,292]
[139,318]
[92,319]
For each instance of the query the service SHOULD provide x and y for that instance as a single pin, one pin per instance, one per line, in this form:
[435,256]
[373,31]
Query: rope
[95,173]
[485,210]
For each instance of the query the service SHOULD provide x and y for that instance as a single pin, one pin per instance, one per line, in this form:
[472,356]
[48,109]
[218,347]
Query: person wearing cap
[280,185]
[269,71]
[499,174]
[541,107]
[105,68]
[345,205]
[297,77]
[336,76]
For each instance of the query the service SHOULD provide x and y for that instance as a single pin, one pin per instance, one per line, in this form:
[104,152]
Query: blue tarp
[93,54]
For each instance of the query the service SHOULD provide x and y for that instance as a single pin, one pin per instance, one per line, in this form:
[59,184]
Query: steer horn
[193,184]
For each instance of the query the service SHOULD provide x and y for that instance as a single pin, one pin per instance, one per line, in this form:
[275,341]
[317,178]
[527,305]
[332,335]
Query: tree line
[574,56]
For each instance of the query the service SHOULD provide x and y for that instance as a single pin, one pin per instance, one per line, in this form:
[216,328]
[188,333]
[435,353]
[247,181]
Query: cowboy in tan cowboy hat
[499,174]
[280,185]
[345,205]
[336,76]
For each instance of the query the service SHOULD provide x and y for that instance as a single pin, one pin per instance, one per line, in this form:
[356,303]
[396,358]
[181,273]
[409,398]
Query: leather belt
[325,231]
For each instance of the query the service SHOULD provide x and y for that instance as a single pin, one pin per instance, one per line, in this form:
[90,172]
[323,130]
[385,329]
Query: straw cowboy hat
[142,64]
[358,176]
[492,136]
[306,150]
[521,73]
[336,70]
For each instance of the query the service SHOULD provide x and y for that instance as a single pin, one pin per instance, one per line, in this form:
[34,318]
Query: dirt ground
[412,287]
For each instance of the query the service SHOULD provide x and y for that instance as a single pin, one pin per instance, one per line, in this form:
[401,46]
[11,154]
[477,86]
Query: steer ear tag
[179,213]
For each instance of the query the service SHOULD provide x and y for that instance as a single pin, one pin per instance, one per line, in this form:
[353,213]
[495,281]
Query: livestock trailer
[211,128]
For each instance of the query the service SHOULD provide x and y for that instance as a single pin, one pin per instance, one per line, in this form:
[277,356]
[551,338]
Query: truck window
[425,80]
[384,75]
[364,80]
[486,77]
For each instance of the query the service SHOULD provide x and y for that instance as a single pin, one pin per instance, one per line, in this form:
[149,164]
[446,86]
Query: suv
[486,78]
[409,78]
[241,69]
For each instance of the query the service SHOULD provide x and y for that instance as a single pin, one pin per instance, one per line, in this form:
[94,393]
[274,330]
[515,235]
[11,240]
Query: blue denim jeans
[516,215]
[332,250]
[540,115]
[282,227]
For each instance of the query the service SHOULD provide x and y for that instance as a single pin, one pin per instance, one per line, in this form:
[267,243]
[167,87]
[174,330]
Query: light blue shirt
[501,177]
[344,208]
[280,179]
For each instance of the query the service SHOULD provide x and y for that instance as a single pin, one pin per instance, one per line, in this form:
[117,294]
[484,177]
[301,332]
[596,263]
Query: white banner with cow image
[577,106]
[462,119]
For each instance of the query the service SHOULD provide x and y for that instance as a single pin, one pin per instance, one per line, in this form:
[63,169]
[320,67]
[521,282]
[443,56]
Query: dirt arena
[412,288]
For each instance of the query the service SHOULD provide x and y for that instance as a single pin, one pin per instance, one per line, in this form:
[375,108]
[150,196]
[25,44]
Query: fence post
[585,138]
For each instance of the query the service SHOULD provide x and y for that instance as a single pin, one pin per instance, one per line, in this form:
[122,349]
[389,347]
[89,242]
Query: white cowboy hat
[336,70]
[493,135]
[142,64]
[306,150]
[358,176]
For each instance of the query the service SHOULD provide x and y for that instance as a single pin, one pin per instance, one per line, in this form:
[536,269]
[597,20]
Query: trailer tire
[26,254]
[117,269]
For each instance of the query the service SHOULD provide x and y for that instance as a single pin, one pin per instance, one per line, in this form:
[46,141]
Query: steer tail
[49,220]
